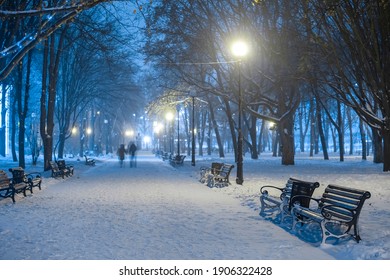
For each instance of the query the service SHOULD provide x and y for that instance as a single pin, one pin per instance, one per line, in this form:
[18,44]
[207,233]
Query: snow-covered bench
[220,178]
[8,188]
[177,160]
[205,171]
[33,179]
[56,171]
[166,156]
[68,169]
[89,161]
[337,212]
[279,206]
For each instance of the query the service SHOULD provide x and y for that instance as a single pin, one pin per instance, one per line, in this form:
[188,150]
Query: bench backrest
[225,170]
[18,175]
[54,165]
[298,187]
[216,167]
[343,203]
[61,164]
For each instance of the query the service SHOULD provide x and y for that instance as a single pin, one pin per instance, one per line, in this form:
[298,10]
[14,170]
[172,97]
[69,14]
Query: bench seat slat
[337,204]
[347,200]
[351,195]
[327,200]
[346,189]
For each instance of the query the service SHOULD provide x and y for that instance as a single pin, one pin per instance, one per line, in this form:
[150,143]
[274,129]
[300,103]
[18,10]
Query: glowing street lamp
[239,49]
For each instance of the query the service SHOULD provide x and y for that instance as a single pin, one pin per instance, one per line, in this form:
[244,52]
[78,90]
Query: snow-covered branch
[38,12]
[45,29]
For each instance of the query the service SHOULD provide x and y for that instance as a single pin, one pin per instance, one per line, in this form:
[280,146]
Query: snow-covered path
[153,211]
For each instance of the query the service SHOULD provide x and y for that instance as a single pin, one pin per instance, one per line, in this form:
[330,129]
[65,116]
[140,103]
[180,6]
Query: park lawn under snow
[156,211]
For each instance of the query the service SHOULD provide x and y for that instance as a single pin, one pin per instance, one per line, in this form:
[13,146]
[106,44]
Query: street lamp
[178,130]
[193,132]
[169,117]
[239,50]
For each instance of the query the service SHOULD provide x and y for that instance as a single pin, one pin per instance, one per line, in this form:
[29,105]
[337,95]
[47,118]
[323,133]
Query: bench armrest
[295,198]
[33,174]
[263,189]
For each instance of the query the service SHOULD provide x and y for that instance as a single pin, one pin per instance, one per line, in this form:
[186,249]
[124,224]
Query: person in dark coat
[132,152]
[121,154]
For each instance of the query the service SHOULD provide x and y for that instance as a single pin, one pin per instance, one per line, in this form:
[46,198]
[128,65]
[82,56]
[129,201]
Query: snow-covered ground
[159,212]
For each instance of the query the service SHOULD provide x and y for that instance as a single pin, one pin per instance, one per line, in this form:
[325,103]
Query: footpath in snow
[153,211]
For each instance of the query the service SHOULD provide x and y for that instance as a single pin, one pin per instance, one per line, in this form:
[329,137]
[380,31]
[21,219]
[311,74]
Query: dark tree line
[73,52]
[311,62]
[328,54]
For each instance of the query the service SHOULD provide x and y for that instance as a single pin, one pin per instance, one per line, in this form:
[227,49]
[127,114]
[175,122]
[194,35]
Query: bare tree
[354,39]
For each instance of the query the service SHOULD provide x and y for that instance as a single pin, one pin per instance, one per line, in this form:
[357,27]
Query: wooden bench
[56,171]
[68,169]
[220,178]
[279,206]
[206,171]
[166,156]
[8,188]
[337,212]
[177,160]
[89,161]
[33,179]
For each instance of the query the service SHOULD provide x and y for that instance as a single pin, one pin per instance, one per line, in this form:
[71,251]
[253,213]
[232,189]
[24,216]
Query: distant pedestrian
[121,154]
[132,153]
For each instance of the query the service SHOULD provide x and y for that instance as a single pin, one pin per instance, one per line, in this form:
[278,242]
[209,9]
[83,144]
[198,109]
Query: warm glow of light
[89,130]
[129,132]
[240,49]
[157,127]
[74,130]
[169,116]
[147,139]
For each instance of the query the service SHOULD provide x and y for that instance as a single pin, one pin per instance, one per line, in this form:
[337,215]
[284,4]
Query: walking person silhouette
[132,152]
[121,154]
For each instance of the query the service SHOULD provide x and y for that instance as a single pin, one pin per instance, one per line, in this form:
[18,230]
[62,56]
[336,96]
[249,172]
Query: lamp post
[193,132]
[239,50]
[178,130]
[169,117]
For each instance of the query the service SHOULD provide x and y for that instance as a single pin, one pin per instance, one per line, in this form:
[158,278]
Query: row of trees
[322,57]
[64,65]
[317,55]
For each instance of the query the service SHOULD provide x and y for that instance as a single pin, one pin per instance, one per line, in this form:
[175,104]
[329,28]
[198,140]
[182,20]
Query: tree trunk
[386,149]
[216,131]
[3,141]
[231,126]
[21,116]
[287,141]
[253,136]
[321,131]
[50,67]
[42,121]
[340,130]
[312,130]
[349,119]
[13,130]
[275,142]
[377,146]
[363,138]
[202,131]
